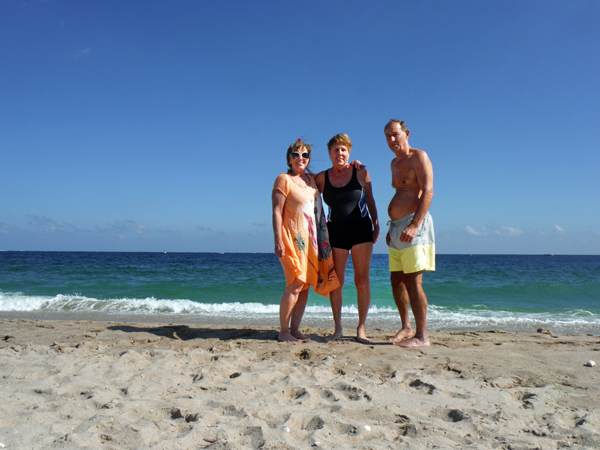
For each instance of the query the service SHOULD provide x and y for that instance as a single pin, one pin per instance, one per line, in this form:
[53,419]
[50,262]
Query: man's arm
[424,173]
[387,236]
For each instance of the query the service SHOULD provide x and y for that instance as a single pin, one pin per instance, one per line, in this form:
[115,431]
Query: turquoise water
[510,292]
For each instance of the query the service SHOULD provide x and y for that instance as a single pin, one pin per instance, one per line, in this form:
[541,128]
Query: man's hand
[409,233]
[387,239]
[359,166]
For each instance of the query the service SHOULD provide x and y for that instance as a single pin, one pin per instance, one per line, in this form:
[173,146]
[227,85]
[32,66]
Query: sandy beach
[81,384]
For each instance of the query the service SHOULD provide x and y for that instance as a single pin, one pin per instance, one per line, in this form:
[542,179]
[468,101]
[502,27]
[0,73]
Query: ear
[407,133]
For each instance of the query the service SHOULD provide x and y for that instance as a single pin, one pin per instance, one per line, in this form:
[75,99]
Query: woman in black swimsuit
[353,228]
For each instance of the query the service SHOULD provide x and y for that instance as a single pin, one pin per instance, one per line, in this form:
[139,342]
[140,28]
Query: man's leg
[418,303]
[401,297]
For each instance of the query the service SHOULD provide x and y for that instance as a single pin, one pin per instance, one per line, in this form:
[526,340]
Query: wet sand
[112,385]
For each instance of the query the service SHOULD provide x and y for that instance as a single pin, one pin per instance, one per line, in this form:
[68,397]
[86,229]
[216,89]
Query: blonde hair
[343,139]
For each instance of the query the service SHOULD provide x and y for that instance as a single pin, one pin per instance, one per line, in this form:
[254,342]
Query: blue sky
[161,126]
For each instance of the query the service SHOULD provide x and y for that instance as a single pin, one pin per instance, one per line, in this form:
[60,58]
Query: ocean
[467,292]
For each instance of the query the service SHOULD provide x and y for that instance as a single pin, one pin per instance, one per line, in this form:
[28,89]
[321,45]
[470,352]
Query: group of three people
[314,250]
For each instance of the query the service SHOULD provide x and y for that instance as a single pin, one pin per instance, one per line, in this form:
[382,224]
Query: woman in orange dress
[301,240]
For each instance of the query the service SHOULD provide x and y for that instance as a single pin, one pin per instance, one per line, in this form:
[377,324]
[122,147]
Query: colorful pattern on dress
[307,256]
[323,234]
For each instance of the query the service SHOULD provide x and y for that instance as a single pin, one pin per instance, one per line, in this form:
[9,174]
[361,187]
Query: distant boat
[548,254]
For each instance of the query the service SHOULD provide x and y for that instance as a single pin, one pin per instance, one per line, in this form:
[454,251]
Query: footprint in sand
[451,415]
[354,393]
[422,386]
[316,423]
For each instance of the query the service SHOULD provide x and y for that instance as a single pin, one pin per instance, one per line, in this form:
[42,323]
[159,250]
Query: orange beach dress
[308,255]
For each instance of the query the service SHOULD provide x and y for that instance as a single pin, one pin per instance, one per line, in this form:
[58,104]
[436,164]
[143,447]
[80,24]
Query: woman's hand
[375,233]
[279,249]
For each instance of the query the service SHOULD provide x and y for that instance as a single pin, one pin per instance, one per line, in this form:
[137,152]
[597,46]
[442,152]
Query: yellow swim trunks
[415,256]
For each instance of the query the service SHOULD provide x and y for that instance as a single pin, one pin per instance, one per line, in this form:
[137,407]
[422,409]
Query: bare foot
[287,337]
[413,343]
[402,334]
[361,336]
[335,336]
[298,335]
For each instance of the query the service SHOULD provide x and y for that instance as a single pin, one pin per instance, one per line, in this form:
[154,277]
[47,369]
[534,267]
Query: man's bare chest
[403,175]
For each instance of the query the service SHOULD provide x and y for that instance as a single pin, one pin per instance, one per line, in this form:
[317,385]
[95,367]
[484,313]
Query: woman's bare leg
[340,258]
[361,260]
[288,302]
[297,314]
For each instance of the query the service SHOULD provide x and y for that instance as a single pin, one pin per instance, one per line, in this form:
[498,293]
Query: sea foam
[439,318]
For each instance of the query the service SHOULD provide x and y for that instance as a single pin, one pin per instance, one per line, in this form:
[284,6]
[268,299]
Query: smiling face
[339,148]
[298,159]
[340,155]
[298,163]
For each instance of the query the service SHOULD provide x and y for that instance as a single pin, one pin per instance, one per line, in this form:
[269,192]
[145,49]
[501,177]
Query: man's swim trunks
[415,256]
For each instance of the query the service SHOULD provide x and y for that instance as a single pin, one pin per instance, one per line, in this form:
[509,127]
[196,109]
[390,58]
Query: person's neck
[340,169]
[403,152]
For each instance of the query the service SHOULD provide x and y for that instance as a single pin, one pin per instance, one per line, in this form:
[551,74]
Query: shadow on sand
[186,333]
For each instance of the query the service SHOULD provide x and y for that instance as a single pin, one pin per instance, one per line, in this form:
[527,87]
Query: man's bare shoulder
[420,156]
[417,152]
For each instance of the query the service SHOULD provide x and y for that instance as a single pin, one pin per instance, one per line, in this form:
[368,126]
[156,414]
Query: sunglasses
[296,155]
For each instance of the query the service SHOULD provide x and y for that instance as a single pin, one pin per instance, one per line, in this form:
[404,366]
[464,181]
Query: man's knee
[397,278]
[414,283]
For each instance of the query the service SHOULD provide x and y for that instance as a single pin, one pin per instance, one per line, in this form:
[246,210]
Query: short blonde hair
[343,139]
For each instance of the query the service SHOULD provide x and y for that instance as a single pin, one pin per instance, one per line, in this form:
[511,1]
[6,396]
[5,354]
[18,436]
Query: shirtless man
[410,237]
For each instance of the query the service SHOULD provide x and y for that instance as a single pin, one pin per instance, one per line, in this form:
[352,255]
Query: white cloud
[123,228]
[40,221]
[559,229]
[508,231]
[85,51]
[474,232]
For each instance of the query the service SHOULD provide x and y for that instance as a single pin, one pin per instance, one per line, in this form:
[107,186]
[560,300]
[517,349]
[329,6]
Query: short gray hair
[402,124]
